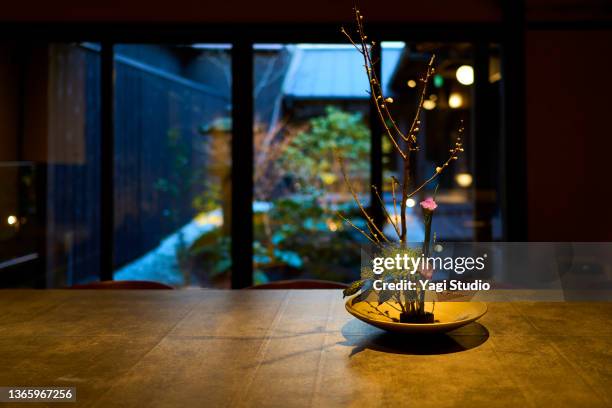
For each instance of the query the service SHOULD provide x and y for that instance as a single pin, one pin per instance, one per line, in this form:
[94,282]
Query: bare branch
[357,228]
[369,219]
[415,122]
[393,181]
[454,153]
[391,220]
[373,81]
[343,31]
[381,101]
[372,232]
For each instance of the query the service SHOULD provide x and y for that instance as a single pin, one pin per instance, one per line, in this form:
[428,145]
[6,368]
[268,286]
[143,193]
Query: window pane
[172,163]
[310,100]
[450,99]
[49,164]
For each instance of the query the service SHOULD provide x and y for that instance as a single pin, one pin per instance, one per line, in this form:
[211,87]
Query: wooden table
[214,348]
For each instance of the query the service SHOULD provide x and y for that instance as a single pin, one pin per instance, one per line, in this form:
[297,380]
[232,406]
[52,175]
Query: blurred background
[192,144]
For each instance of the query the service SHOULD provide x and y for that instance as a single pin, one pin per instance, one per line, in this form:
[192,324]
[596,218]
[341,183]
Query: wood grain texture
[296,348]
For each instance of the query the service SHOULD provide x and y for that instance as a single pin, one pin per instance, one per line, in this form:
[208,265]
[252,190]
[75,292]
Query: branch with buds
[395,135]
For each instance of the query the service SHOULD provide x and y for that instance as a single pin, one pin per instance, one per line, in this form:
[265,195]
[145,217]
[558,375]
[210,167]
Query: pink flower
[427,273]
[429,204]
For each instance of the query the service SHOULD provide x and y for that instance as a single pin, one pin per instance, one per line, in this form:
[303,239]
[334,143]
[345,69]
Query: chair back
[123,284]
[300,284]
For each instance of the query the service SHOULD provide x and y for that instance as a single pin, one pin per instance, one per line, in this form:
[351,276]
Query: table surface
[215,348]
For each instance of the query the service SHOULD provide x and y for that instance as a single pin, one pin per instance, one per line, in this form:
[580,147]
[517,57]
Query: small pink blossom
[427,273]
[429,204]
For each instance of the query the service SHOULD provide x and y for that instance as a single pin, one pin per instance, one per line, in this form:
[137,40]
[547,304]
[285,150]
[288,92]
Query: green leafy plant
[309,158]
[304,239]
[296,235]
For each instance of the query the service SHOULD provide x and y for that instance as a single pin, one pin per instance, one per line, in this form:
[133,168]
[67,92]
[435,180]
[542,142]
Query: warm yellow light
[332,225]
[465,75]
[494,77]
[463,179]
[11,220]
[328,178]
[411,83]
[455,100]
[410,202]
[214,218]
[433,97]
[429,104]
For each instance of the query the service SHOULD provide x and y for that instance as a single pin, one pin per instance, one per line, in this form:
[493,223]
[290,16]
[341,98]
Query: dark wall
[283,11]
[252,11]
[569,136]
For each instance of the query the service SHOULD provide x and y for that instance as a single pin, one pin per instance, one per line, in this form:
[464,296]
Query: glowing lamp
[429,104]
[465,75]
[463,179]
[455,100]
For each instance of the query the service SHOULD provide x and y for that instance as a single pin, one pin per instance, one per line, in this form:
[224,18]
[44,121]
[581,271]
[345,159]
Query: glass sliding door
[311,108]
[49,164]
[172,163]
[467,191]
[172,157]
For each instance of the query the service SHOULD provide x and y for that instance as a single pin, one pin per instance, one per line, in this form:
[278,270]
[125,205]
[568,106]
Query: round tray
[448,316]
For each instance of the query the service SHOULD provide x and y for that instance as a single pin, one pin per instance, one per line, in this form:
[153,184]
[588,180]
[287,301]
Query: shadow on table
[361,337]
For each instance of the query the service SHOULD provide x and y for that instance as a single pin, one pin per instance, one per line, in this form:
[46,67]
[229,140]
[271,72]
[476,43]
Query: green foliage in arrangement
[366,283]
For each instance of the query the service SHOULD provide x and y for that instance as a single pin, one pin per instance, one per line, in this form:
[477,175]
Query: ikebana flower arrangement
[404,305]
